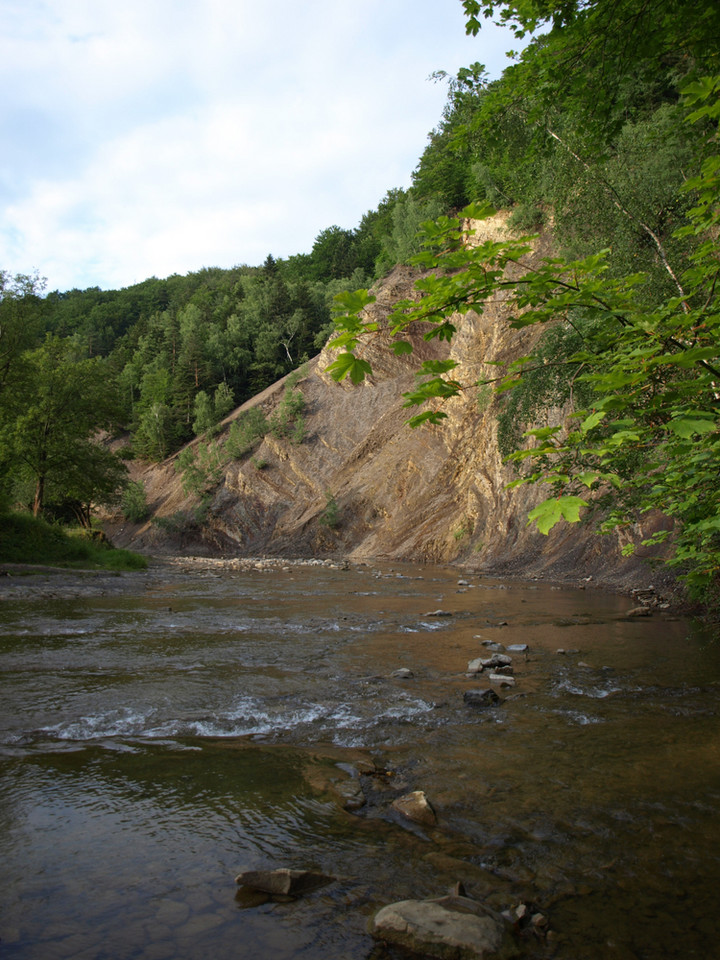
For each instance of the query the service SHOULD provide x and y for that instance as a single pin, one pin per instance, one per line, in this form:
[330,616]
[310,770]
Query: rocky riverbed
[402,730]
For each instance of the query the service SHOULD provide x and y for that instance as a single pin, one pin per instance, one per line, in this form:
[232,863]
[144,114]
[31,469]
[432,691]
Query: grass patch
[23,539]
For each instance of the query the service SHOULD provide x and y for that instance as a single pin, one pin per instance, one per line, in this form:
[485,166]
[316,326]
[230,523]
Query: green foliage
[25,539]
[526,218]
[407,215]
[286,420]
[48,426]
[204,414]
[550,381]
[134,503]
[330,517]
[202,467]
[20,320]
[245,432]
[223,401]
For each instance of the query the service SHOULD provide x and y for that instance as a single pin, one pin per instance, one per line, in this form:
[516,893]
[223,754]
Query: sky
[152,137]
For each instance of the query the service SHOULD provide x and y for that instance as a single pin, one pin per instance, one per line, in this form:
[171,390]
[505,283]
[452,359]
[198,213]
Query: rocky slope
[436,493]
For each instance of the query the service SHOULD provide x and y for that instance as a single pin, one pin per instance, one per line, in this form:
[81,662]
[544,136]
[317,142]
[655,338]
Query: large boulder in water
[451,928]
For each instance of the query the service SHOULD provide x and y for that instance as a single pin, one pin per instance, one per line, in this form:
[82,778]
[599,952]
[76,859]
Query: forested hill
[587,129]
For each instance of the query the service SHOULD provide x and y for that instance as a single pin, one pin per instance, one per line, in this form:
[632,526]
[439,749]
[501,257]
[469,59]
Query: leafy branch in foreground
[648,439]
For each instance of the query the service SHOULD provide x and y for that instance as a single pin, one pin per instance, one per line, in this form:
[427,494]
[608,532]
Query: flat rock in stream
[451,928]
[282,882]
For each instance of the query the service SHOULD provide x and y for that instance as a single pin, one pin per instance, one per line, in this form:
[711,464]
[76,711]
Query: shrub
[134,502]
[286,414]
[249,427]
[330,517]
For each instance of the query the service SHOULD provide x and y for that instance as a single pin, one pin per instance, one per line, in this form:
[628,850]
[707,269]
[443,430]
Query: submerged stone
[282,882]
[639,612]
[481,698]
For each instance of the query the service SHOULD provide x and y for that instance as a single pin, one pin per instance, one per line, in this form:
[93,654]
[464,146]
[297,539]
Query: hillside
[436,493]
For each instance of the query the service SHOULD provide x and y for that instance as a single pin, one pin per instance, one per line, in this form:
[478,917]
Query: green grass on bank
[23,539]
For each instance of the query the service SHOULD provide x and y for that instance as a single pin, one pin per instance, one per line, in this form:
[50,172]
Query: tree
[49,433]
[223,401]
[333,254]
[20,318]
[649,439]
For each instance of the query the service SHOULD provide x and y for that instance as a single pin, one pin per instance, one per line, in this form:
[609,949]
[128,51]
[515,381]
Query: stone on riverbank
[450,928]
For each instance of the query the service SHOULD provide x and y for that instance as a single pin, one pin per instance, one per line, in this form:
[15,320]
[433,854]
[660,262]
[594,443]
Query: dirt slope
[434,493]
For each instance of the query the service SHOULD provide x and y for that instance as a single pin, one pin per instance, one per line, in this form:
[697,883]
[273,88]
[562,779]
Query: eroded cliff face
[435,493]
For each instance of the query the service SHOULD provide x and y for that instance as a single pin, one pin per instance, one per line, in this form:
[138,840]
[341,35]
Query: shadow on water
[156,744]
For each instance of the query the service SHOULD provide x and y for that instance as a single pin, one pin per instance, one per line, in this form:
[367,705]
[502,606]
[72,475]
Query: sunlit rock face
[435,493]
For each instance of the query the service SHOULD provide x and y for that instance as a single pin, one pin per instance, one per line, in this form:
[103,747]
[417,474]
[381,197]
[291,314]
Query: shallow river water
[161,732]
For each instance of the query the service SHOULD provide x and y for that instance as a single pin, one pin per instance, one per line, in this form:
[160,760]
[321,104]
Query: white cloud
[160,137]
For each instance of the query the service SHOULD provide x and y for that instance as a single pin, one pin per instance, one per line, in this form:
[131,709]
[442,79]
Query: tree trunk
[39,496]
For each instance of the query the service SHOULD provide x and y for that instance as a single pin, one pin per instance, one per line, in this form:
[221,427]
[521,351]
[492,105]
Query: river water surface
[161,732]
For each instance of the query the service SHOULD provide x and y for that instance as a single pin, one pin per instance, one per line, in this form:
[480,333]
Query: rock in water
[415,807]
[639,612]
[282,882]
[451,928]
[481,698]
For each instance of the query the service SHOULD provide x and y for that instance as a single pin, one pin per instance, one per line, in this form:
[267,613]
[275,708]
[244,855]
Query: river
[161,732]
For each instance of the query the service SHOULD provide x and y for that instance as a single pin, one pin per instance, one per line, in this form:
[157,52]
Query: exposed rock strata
[434,494]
